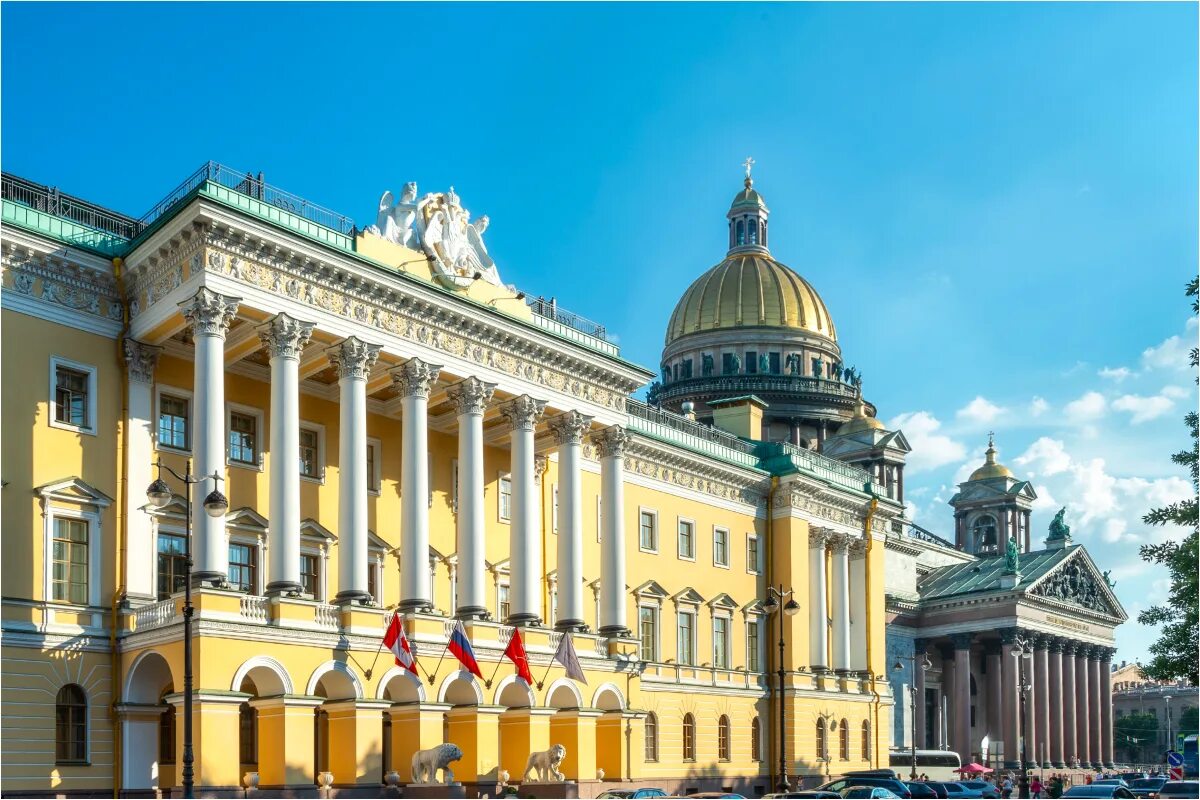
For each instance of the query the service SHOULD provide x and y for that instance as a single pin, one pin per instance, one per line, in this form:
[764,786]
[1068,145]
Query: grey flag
[565,655]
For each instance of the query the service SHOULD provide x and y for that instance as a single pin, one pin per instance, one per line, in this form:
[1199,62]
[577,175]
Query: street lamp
[790,608]
[215,505]
[1022,654]
[926,664]
[1167,704]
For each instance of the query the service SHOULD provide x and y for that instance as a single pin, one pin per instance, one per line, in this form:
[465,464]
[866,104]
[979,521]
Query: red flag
[396,641]
[515,652]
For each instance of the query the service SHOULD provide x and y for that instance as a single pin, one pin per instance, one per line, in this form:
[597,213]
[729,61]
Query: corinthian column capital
[612,441]
[140,360]
[285,337]
[523,412]
[470,396]
[209,312]
[353,357]
[415,378]
[569,428]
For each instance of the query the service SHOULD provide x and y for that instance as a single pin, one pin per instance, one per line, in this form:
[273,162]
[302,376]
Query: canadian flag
[397,642]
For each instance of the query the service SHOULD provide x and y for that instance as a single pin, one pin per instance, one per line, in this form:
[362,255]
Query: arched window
[321,741]
[755,740]
[651,737]
[689,737]
[984,532]
[247,734]
[70,717]
[844,741]
[753,237]
[764,233]
[166,731]
[723,737]
[866,740]
[741,233]
[822,744]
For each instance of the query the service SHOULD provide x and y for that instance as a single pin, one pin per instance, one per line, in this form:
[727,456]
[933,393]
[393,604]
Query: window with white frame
[69,574]
[721,642]
[310,574]
[648,633]
[244,426]
[72,395]
[648,530]
[505,509]
[753,646]
[174,420]
[721,547]
[687,539]
[753,556]
[373,581]
[243,567]
[503,604]
[72,542]
[312,456]
[172,563]
[686,647]
[374,466]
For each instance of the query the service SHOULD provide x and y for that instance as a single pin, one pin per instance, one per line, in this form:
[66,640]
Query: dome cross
[748,164]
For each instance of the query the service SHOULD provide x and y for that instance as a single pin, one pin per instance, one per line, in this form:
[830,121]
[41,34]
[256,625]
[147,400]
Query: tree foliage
[1175,654]
[1137,735]
[1188,720]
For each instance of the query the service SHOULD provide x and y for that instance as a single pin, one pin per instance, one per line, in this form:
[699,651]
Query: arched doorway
[333,682]
[147,686]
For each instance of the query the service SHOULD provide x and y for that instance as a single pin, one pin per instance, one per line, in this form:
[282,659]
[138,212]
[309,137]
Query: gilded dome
[750,289]
[990,468]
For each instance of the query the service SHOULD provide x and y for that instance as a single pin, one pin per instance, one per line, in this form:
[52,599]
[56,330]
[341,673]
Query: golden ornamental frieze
[654,469]
[62,285]
[799,500]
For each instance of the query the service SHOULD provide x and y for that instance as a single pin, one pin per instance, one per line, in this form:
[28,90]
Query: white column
[818,610]
[858,605]
[414,379]
[470,398]
[841,604]
[610,443]
[525,546]
[569,429]
[354,359]
[210,315]
[285,338]
[140,360]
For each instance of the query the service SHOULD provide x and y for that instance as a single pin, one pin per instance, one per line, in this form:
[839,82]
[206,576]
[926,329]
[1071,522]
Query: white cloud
[1045,457]
[930,449]
[1090,406]
[1143,409]
[980,410]
[1038,406]
[1172,353]
[1174,392]
[1117,374]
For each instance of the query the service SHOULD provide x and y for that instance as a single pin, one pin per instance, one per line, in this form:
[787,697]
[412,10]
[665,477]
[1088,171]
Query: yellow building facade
[394,432]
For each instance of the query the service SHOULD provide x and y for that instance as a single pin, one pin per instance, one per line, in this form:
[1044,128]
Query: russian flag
[460,646]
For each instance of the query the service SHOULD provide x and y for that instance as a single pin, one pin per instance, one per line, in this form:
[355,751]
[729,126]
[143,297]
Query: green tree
[1188,721]
[1174,655]
[1136,735]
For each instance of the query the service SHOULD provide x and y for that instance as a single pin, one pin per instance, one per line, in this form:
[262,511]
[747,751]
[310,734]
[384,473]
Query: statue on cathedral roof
[1012,557]
[1059,529]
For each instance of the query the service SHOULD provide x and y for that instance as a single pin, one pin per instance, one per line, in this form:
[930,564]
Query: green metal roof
[983,575]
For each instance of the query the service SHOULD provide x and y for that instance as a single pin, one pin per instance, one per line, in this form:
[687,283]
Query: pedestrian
[1007,787]
[1035,787]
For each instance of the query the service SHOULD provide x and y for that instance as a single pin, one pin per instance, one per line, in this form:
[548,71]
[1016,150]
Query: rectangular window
[687,637]
[372,583]
[753,657]
[503,606]
[721,547]
[243,438]
[173,421]
[774,362]
[648,633]
[172,564]
[71,392]
[751,362]
[721,642]
[243,567]
[687,368]
[753,564]
[505,497]
[310,574]
[648,531]
[373,477]
[687,539]
[727,363]
[69,577]
[310,454]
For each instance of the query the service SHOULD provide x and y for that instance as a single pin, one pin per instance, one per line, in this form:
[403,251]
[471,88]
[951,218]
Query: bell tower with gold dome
[991,507]
[750,329]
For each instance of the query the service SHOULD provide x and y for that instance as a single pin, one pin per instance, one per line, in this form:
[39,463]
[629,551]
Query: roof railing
[59,204]
[550,309]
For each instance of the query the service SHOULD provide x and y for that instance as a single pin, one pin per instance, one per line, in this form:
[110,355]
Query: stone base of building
[568,790]
[453,790]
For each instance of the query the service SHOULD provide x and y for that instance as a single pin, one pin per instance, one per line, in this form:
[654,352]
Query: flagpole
[488,685]
[429,675]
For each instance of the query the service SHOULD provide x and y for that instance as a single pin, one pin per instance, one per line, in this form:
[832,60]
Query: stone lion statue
[426,763]
[546,764]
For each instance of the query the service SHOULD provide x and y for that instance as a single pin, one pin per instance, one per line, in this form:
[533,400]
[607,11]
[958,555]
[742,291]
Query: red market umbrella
[974,769]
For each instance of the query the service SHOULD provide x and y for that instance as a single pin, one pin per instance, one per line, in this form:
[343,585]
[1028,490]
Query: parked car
[891,784]
[1146,787]
[936,787]
[869,792]
[632,794]
[718,795]
[921,791]
[1101,790]
[984,788]
[954,789]
[1189,789]
[1110,782]
[1130,777]
[817,794]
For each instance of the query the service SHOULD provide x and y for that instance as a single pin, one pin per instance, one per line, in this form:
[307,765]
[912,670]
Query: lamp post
[1167,705]
[215,505]
[776,598]
[926,664]
[1022,654]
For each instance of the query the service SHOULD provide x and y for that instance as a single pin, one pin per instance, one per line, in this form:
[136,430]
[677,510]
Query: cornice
[678,467]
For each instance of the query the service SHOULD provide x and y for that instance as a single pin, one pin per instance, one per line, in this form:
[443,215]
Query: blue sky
[997,202]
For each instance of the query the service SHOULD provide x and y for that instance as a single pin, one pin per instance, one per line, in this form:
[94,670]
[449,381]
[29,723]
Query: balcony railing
[921,535]
[550,309]
[672,427]
[829,469]
[51,201]
[757,383]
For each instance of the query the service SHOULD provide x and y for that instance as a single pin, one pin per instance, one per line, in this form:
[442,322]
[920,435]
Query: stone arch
[514,692]
[398,685]
[149,678]
[460,689]
[269,676]
[339,681]
[563,694]
[149,673]
[608,697]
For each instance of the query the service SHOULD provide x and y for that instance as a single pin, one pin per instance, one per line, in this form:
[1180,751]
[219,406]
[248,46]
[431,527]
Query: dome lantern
[991,468]
[748,218]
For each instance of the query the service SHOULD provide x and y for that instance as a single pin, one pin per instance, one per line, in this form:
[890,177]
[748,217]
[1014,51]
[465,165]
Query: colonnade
[837,592]
[1066,718]
[210,315]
